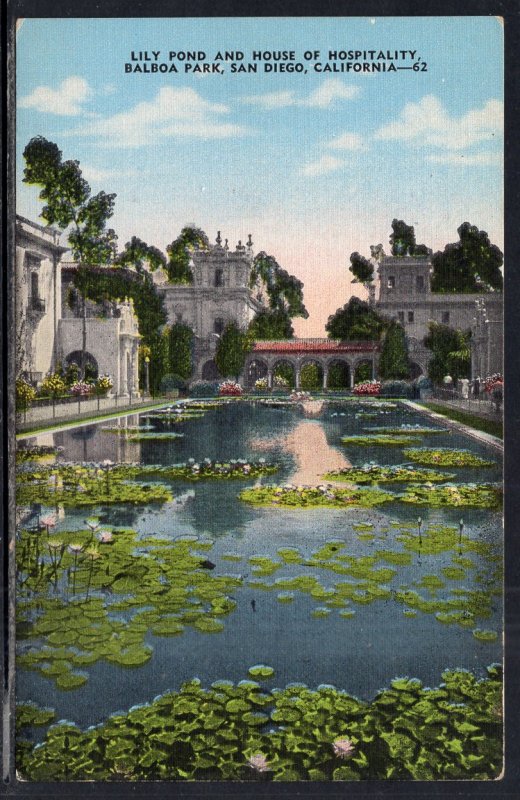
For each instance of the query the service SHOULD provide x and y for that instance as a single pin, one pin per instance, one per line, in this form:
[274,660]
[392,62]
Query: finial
[218,240]
[240,247]
[226,246]
[250,242]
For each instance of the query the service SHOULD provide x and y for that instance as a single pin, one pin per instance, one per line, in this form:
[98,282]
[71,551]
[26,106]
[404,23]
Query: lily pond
[240,590]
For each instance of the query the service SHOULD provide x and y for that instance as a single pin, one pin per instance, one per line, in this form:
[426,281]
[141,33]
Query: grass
[491,426]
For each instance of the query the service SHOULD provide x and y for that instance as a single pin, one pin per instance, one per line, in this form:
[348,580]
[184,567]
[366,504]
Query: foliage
[271,324]
[361,268]
[25,394]
[179,252]
[249,733]
[198,470]
[52,385]
[180,350]
[204,388]
[83,485]
[313,496]
[356,321]
[261,385]
[396,388]
[371,440]
[81,389]
[370,388]
[310,377]
[42,452]
[139,255]
[363,372]
[450,350]
[284,291]
[402,240]
[492,426]
[103,384]
[231,351]
[455,496]
[338,376]
[171,382]
[393,362]
[470,265]
[377,474]
[230,389]
[409,430]
[446,457]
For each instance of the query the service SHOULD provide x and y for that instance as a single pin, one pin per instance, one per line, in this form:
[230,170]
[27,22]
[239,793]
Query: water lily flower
[49,521]
[76,548]
[343,748]
[261,460]
[259,763]
[54,544]
[191,460]
[107,463]
[105,536]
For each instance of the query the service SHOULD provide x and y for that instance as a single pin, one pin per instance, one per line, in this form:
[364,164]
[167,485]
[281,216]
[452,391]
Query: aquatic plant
[379,439]
[408,430]
[247,732]
[373,473]
[458,495]
[446,457]
[313,496]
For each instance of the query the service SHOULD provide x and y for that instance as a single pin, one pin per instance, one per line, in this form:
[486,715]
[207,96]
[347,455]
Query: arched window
[219,277]
[218,325]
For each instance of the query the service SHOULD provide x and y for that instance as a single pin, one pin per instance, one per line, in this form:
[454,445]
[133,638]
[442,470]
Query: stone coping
[487,438]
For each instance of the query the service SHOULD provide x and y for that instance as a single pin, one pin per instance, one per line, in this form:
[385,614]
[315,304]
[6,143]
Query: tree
[179,251]
[470,265]
[451,353]
[231,351]
[137,254]
[180,348]
[268,324]
[356,321]
[393,362]
[361,268]
[402,240]
[70,206]
[284,295]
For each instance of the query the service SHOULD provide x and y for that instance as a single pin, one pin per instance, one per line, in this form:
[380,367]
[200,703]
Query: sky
[315,164]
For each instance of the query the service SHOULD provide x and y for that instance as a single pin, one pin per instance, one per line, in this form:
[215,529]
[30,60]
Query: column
[297,376]
[269,378]
[135,367]
[325,377]
[351,370]
[124,370]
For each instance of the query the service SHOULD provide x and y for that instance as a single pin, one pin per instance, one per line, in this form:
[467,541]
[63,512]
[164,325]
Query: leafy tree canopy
[470,265]
[393,362]
[231,351]
[284,291]
[178,266]
[69,204]
[270,324]
[137,254]
[402,240]
[361,268]
[450,352]
[180,347]
[356,321]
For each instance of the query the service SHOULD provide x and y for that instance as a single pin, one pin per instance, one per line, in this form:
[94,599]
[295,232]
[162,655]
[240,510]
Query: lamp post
[147,376]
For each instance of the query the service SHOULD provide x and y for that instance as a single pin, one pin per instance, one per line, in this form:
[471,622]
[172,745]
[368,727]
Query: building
[404,293]
[50,328]
[220,294]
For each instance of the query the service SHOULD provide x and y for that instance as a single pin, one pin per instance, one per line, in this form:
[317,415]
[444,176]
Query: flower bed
[380,439]
[248,732]
[230,389]
[445,457]
[309,497]
[376,474]
[370,388]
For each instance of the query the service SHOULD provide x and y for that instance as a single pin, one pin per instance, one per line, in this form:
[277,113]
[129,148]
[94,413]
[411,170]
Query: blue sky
[313,165]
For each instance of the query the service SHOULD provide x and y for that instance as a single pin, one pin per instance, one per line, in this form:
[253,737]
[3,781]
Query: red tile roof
[314,346]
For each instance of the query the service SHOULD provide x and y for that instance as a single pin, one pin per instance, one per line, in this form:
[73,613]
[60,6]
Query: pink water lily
[343,748]
[259,763]
[49,521]
[105,536]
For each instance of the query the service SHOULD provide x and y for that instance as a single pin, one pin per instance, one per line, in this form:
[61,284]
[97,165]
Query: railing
[480,402]
[44,409]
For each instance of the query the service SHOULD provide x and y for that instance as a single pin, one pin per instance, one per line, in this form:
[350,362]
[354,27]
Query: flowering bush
[103,384]
[300,397]
[372,388]
[261,384]
[81,389]
[53,385]
[230,389]
[25,394]
[279,382]
[203,389]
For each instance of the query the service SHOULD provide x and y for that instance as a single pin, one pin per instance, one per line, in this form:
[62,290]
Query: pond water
[360,650]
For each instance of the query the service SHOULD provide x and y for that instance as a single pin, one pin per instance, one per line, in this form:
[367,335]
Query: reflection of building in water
[314,456]
[91,443]
[50,316]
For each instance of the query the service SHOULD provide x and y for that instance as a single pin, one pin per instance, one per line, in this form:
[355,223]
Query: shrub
[230,389]
[103,385]
[25,394]
[396,389]
[203,389]
[53,385]
[261,385]
[81,389]
[171,382]
[368,388]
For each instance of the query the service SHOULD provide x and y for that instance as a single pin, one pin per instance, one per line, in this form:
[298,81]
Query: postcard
[258,298]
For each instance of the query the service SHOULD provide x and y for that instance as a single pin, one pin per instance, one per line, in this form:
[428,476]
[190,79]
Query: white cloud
[96,174]
[322,166]
[427,122]
[467,159]
[174,112]
[66,100]
[323,97]
[347,141]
